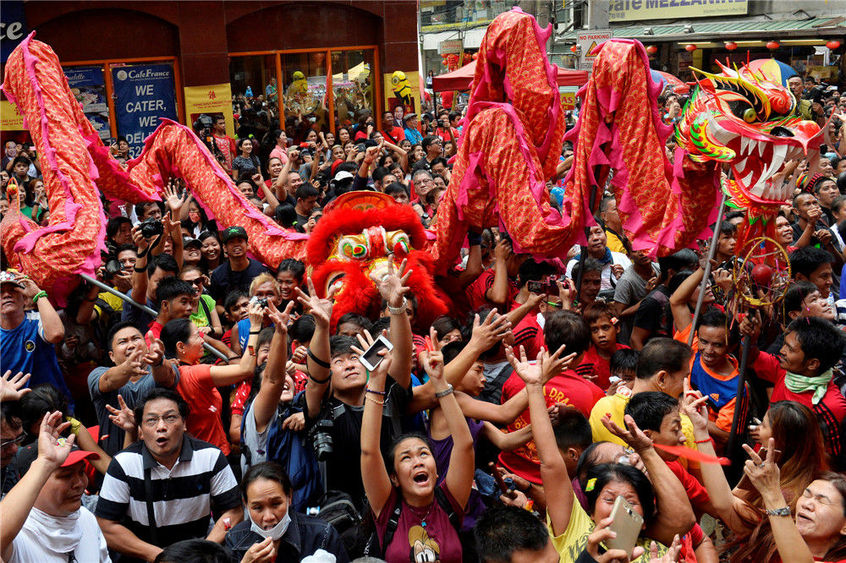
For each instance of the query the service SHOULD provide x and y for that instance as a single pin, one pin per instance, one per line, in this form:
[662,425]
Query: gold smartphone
[627,524]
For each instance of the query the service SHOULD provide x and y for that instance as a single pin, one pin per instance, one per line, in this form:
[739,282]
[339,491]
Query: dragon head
[746,118]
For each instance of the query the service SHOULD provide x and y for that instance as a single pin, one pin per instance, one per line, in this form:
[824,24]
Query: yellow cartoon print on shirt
[423,548]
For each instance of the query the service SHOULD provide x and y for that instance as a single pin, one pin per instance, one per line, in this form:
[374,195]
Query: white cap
[343,175]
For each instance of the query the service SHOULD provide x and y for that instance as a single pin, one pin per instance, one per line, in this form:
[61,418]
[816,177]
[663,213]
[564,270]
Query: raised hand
[172,198]
[433,358]
[320,309]
[53,449]
[555,364]
[30,288]
[764,474]
[672,555]
[632,435]
[12,388]
[529,372]
[695,407]
[122,417]
[255,313]
[392,286]
[138,239]
[294,423]
[134,363]
[155,353]
[491,331]
[280,319]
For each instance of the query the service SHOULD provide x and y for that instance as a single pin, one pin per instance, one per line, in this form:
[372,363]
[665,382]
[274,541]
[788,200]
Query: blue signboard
[143,94]
[88,86]
[12,27]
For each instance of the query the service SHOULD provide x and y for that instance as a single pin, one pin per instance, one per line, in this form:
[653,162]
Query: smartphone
[627,525]
[371,358]
[537,287]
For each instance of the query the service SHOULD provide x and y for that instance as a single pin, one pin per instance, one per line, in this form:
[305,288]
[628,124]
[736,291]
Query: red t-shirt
[396,132]
[830,411]
[568,388]
[476,292]
[197,388]
[529,334]
[154,332]
[695,491]
[600,367]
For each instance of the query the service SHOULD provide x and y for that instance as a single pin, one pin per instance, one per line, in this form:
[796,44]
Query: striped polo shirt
[184,497]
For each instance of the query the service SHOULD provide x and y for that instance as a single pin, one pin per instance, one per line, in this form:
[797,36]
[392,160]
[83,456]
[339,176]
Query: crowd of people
[566,410]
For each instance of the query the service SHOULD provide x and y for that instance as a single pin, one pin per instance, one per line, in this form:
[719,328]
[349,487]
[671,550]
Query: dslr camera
[151,228]
[321,438]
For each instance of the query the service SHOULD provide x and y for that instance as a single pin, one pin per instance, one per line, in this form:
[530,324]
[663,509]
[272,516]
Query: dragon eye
[749,115]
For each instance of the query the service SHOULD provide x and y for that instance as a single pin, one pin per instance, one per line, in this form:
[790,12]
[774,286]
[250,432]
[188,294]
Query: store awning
[462,78]
[734,28]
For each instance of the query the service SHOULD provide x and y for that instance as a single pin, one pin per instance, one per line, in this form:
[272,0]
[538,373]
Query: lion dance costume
[509,150]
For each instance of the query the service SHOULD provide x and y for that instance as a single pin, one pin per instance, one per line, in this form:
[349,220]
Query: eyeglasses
[169,419]
[17,440]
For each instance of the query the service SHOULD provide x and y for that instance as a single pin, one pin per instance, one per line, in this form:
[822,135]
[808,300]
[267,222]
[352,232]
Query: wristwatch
[783,511]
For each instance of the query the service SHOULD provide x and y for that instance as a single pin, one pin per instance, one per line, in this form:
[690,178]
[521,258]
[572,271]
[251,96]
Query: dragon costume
[508,152]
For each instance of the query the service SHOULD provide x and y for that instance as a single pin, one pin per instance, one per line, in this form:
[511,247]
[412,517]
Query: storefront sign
[587,41]
[568,97]
[12,27]
[143,94]
[213,100]
[632,10]
[88,86]
[10,119]
[450,46]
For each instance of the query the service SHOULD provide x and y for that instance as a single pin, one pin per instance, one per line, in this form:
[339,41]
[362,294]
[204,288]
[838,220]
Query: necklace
[425,516]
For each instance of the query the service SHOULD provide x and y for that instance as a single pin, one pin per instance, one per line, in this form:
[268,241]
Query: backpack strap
[393,524]
[205,307]
[443,501]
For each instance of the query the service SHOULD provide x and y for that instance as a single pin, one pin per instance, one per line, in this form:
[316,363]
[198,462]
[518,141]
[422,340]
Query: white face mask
[273,533]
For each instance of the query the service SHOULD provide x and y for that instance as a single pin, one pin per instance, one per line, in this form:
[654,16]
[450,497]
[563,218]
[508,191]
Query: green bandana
[800,383]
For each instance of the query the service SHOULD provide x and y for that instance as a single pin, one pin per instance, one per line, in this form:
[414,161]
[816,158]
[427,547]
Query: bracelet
[706,441]
[783,511]
[372,400]
[375,392]
[139,270]
[231,358]
[320,381]
[398,310]
[318,361]
[445,392]
[38,296]
[255,331]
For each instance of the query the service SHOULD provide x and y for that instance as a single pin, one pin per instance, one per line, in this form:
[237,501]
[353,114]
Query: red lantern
[574,49]
[731,45]
[651,50]
[690,47]
[833,44]
[773,45]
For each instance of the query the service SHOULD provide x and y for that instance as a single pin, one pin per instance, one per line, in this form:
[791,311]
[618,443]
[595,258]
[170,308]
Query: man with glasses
[434,148]
[165,487]
[137,370]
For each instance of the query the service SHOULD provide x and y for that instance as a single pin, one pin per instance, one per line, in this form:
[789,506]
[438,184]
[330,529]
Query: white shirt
[40,541]
[607,283]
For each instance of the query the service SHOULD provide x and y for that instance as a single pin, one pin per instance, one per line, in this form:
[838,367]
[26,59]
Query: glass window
[255,93]
[352,84]
[305,102]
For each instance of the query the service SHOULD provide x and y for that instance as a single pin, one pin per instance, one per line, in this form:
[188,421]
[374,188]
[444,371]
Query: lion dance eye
[749,115]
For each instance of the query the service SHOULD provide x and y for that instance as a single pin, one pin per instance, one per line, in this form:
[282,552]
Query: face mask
[194,216]
[275,532]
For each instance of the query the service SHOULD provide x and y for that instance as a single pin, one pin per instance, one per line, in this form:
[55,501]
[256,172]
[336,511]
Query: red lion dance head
[358,236]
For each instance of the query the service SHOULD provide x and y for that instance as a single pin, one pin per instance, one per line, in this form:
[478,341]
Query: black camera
[260,300]
[203,125]
[322,439]
[151,228]
[113,267]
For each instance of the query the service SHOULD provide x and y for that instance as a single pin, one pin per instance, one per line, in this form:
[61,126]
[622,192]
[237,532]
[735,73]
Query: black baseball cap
[233,232]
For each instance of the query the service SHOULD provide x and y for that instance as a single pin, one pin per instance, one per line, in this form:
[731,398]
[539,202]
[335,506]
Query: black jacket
[304,536]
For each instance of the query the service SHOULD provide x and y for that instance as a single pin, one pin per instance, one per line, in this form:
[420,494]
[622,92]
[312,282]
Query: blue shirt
[24,349]
[414,136]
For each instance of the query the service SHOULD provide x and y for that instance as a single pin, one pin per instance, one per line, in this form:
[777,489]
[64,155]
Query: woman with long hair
[818,530]
[796,435]
[246,163]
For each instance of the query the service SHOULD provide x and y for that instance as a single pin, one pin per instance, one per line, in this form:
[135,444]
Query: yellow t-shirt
[573,541]
[616,406]
[614,243]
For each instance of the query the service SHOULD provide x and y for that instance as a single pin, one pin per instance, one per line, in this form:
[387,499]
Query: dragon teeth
[740,166]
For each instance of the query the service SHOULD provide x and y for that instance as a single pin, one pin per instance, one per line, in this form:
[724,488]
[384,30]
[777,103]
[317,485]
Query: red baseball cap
[29,453]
